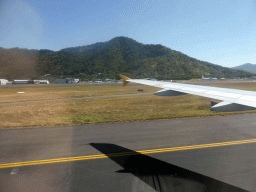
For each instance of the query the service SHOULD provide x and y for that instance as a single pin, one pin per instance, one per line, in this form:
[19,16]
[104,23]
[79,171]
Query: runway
[225,155]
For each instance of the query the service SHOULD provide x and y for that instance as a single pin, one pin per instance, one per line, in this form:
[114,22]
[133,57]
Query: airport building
[3,81]
[21,82]
[30,82]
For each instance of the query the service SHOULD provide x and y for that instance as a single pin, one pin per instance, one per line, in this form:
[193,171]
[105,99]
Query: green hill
[109,59]
[247,67]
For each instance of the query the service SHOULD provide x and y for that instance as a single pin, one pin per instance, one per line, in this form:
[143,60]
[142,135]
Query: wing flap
[226,106]
[167,92]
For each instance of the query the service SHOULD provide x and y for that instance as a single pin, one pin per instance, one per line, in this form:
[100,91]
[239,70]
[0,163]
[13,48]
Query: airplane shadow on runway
[158,174]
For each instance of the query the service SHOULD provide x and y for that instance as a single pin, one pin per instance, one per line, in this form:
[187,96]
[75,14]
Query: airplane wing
[232,99]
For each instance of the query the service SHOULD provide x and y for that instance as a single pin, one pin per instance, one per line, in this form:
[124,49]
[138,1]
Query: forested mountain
[18,63]
[247,67]
[108,60]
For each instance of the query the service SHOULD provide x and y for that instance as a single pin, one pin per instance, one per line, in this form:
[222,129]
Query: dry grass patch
[39,114]
[32,94]
[250,86]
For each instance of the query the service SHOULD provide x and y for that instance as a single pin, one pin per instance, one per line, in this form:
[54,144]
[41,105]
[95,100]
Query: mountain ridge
[247,67]
[109,59]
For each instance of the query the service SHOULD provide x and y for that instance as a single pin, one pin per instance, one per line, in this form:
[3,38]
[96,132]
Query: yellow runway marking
[68,159]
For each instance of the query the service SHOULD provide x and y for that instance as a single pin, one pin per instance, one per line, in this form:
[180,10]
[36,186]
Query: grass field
[51,93]
[101,110]
[249,86]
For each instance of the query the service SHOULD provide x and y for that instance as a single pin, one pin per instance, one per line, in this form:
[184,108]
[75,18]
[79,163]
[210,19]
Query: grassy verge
[137,108]
[38,114]
[250,86]
[102,110]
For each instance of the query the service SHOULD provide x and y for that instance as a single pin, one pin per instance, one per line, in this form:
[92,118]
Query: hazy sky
[222,32]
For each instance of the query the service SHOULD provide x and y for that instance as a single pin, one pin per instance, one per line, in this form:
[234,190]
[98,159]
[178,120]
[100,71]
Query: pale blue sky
[222,32]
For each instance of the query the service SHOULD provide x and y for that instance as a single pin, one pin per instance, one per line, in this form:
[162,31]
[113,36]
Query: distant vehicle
[98,81]
[107,80]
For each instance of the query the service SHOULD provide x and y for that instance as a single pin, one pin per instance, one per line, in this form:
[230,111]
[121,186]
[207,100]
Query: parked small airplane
[232,99]
[205,78]
[209,78]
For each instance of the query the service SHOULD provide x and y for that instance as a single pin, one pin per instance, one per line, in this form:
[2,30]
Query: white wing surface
[233,99]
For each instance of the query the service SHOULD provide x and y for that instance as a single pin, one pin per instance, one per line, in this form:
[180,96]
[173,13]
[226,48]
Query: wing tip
[125,80]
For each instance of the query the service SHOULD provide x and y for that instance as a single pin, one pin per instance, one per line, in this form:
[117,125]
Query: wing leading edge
[232,99]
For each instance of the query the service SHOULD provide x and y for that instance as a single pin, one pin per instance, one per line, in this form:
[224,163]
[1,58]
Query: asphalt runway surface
[191,154]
